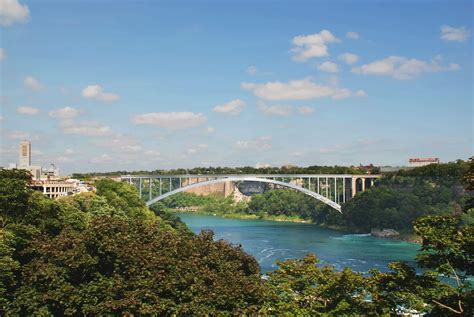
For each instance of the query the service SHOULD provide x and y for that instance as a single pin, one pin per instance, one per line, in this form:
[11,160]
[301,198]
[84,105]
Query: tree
[448,249]
[301,287]
[118,266]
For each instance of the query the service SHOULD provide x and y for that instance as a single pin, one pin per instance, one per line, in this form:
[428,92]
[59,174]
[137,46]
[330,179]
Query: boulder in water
[384,233]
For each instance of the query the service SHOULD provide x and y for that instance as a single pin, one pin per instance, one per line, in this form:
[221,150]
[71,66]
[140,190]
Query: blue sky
[109,85]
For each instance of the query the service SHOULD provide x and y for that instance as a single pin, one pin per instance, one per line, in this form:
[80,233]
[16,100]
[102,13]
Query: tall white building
[25,154]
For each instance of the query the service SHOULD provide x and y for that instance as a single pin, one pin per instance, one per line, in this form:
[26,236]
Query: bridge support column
[363,184]
[140,187]
[354,186]
[343,189]
[327,187]
[149,189]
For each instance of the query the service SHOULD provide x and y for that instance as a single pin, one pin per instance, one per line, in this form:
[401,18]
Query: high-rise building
[25,154]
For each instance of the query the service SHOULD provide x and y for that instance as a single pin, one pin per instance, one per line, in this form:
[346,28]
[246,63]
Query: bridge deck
[253,175]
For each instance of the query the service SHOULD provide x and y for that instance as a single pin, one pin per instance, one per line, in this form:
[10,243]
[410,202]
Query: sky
[133,85]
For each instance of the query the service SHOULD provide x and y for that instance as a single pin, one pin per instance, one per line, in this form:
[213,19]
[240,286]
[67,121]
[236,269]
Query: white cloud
[11,11]
[64,113]
[305,110]
[313,45]
[69,152]
[403,68]
[3,54]
[199,148]
[328,67]
[32,83]
[360,93]
[279,110]
[63,159]
[87,128]
[352,35]
[23,135]
[210,130]
[104,158]
[349,58]
[295,90]
[120,143]
[263,143]
[152,153]
[96,92]
[449,33]
[171,120]
[27,110]
[252,70]
[233,107]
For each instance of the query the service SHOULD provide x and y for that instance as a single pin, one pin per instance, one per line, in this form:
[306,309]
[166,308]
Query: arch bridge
[331,189]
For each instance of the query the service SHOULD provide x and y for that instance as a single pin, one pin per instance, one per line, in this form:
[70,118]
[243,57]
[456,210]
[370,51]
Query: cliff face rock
[238,196]
[252,188]
[383,233]
[224,189]
[241,190]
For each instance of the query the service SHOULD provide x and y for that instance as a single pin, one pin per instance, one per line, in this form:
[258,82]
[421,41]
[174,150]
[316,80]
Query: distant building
[37,172]
[55,189]
[417,162]
[25,154]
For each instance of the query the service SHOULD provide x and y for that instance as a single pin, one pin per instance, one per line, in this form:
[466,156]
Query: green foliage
[13,193]
[400,198]
[303,288]
[107,253]
[130,267]
[170,217]
[448,249]
[401,288]
[283,202]
[124,198]
[8,268]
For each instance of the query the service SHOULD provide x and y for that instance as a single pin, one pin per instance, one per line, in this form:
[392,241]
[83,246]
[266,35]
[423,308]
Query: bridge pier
[353,186]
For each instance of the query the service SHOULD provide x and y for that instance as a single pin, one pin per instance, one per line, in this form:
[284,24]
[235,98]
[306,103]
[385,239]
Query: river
[269,241]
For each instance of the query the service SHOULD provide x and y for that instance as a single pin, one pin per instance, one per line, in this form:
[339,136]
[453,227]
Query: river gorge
[269,241]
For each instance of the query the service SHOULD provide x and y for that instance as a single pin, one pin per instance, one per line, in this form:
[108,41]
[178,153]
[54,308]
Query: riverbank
[403,236]
[241,216]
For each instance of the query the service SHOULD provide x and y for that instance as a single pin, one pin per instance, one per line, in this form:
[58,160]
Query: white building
[25,154]
[423,161]
[36,171]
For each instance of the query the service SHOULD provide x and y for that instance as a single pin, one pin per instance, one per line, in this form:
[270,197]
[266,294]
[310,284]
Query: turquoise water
[269,241]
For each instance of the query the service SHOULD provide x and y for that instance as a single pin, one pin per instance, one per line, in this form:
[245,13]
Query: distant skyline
[129,85]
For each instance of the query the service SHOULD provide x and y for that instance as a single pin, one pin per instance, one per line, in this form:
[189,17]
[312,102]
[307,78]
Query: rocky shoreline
[384,233]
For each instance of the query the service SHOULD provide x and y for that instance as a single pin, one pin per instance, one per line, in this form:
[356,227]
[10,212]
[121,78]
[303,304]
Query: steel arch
[248,179]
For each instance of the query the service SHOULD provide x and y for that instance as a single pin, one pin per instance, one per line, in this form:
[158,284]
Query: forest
[106,253]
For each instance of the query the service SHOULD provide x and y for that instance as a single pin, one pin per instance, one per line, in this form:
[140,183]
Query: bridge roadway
[331,189]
